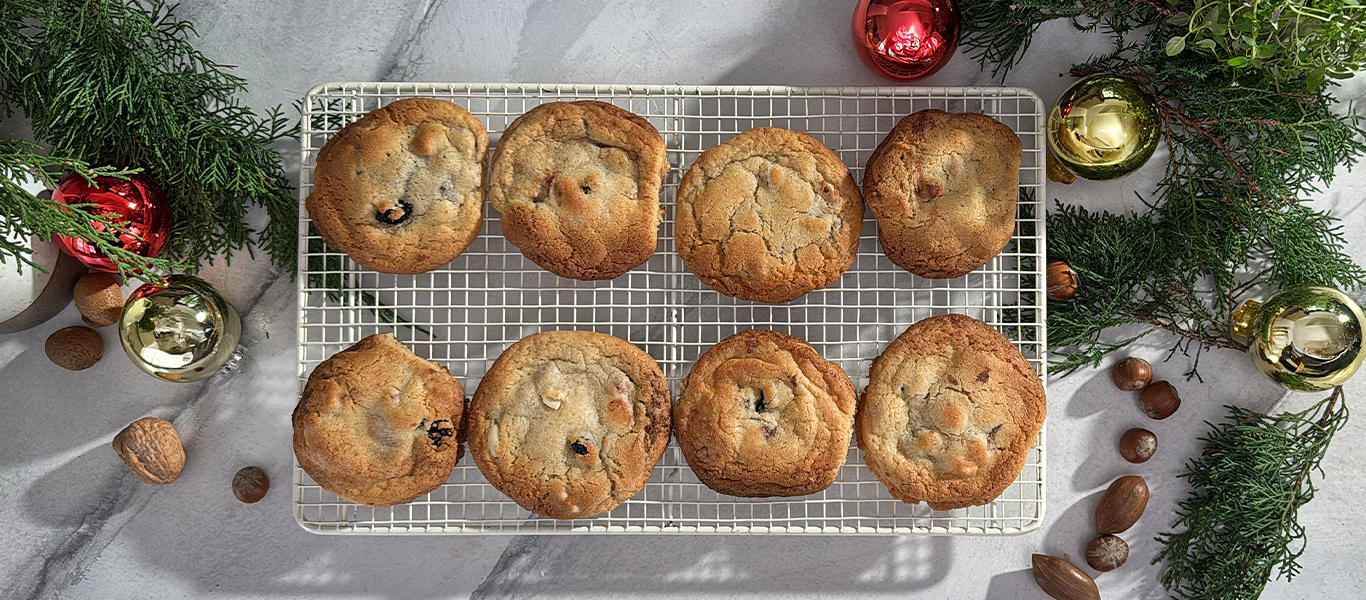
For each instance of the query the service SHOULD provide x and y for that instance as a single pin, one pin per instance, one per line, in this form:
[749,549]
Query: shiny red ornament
[905,39]
[143,210]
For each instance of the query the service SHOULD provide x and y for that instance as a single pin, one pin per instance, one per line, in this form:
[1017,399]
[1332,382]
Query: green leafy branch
[1248,484]
[113,82]
[1228,215]
[25,215]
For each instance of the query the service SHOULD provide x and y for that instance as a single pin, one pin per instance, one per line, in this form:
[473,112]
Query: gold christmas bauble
[182,331]
[1104,127]
[1306,339]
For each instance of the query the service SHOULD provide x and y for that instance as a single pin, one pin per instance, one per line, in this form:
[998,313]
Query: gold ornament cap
[1305,339]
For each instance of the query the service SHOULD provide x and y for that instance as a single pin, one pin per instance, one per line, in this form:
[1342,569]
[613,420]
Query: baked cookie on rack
[401,189]
[943,188]
[570,424]
[578,186]
[379,425]
[763,414]
[950,413]
[768,216]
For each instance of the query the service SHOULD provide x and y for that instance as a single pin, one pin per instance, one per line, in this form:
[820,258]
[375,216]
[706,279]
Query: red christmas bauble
[905,39]
[142,210]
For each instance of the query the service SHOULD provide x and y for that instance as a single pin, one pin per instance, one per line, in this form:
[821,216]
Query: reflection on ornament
[183,331]
[144,215]
[905,39]
[1104,127]
[1305,338]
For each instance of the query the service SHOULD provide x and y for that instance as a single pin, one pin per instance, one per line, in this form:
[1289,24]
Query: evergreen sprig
[1227,217]
[118,83]
[1248,485]
[27,215]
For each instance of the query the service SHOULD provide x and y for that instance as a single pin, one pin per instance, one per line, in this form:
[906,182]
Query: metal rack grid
[465,314]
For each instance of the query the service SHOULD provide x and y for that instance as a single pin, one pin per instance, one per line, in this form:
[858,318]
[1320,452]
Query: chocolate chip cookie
[401,189]
[578,185]
[769,215]
[569,424]
[950,413]
[943,188]
[762,414]
[379,425]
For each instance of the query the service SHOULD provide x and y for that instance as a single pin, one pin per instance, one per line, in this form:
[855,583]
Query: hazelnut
[1137,445]
[1159,400]
[1121,506]
[151,450]
[250,484]
[1062,281]
[1107,553]
[75,348]
[1132,374]
[98,298]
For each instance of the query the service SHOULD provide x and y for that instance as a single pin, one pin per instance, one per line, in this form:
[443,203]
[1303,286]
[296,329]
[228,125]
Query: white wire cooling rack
[465,314]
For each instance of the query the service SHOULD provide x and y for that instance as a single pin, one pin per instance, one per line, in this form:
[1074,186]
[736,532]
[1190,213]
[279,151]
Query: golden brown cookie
[762,414]
[569,424]
[769,215]
[943,188]
[578,185]
[379,425]
[401,189]
[950,413]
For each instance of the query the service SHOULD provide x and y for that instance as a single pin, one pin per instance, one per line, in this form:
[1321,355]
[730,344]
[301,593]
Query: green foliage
[27,215]
[1283,39]
[1248,485]
[1228,215]
[115,82]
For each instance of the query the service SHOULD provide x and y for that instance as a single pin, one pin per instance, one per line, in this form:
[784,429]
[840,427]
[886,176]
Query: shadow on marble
[1072,528]
[1014,585]
[737,565]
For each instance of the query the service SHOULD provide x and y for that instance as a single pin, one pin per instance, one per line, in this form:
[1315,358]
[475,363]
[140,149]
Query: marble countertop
[81,527]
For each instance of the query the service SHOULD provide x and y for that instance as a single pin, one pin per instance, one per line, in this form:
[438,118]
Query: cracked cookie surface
[768,216]
[763,414]
[943,188]
[401,189]
[570,424]
[379,425]
[950,413]
[578,185]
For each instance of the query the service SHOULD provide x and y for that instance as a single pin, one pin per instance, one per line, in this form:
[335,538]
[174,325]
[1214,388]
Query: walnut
[151,450]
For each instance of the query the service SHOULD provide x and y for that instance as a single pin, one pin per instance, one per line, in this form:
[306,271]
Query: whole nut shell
[75,348]
[1062,281]
[250,484]
[1063,580]
[1121,506]
[150,448]
[1159,400]
[1137,445]
[1132,374]
[1107,553]
[99,299]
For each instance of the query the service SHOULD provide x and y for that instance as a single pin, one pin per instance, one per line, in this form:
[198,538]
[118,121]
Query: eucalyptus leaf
[1176,45]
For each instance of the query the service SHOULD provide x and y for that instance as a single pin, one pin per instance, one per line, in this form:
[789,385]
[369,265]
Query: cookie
[942,187]
[570,424]
[769,215]
[950,413]
[762,414]
[379,425]
[578,185]
[401,189]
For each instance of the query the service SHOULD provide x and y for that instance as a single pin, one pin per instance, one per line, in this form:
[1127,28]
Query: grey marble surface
[78,526]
